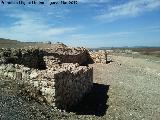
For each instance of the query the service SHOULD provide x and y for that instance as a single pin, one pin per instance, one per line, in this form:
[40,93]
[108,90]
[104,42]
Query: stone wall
[62,87]
[99,57]
[51,75]
[69,55]
[32,58]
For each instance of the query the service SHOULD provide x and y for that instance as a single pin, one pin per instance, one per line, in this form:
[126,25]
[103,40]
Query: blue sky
[90,23]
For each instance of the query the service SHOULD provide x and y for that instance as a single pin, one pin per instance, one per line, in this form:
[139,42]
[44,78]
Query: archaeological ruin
[58,76]
[99,57]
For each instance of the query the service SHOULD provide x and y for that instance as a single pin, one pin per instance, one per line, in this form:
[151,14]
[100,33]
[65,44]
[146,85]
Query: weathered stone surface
[64,54]
[62,88]
[39,57]
[18,76]
[51,75]
[29,57]
[33,75]
[99,57]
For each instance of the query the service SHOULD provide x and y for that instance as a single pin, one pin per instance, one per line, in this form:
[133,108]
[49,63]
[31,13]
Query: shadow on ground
[95,103]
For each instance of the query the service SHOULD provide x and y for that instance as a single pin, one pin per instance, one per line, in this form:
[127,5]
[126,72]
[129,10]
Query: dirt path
[134,91]
[126,89]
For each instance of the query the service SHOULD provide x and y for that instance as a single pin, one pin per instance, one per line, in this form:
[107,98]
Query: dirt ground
[126,89]
[134,88]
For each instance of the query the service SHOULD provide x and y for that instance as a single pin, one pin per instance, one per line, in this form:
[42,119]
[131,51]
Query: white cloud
[153,28]
[31,28]
[109,35]
[58,31]
[132,8]
[94,40]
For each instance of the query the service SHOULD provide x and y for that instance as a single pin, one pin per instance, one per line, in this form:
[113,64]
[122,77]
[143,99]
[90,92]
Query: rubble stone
[61,84]
[51,75]
[99,57]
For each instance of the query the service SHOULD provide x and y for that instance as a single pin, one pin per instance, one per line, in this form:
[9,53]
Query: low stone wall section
[99,57]
[69,55]
[32,58]
[61,88]
[37,58]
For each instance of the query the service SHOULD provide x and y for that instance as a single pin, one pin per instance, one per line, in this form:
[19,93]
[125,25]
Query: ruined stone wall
[50,75]
[32,58]
[61,88]
[69,55]
[38,58]
[72,84]
[99,57]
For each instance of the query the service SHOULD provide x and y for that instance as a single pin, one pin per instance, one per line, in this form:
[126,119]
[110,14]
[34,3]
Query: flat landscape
[126,88]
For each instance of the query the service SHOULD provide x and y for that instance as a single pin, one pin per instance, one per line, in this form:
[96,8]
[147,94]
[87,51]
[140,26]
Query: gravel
[127,88]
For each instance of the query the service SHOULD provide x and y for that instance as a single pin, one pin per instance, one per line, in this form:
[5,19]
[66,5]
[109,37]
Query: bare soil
[126,89]
[134,88]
